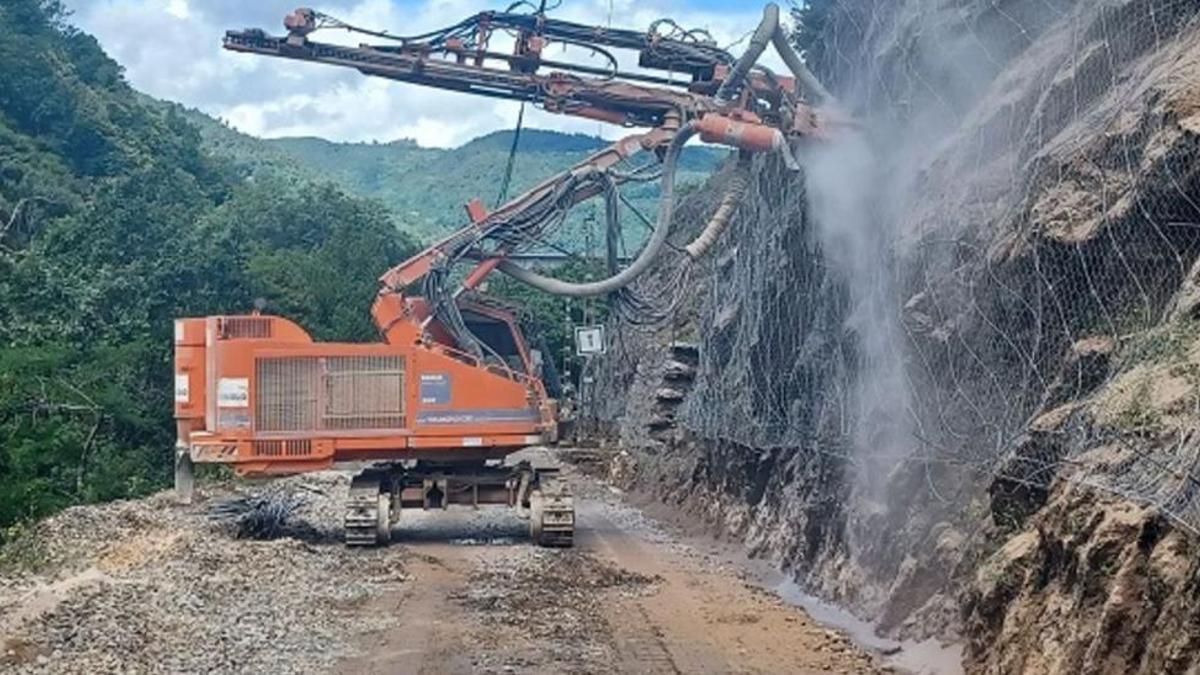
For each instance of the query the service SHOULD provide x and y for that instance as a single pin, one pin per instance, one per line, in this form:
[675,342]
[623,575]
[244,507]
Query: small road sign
[589,340]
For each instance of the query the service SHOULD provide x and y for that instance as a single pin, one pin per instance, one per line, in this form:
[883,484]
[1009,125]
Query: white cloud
[171,49]
[178,9]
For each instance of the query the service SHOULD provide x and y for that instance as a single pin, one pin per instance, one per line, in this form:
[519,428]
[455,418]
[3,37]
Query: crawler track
[368,512]
[378,495]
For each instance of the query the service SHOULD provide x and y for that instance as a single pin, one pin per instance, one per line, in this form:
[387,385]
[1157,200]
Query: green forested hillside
[427,187]
[114,221]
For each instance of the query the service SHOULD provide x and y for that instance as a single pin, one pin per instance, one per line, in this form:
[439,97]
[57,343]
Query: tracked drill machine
[431,410]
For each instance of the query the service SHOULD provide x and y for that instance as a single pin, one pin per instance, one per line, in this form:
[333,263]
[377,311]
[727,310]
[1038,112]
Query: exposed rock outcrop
[1092,585]
[1032,208]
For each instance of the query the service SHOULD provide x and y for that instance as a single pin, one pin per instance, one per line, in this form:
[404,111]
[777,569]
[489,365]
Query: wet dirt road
[150,586]
[629,598]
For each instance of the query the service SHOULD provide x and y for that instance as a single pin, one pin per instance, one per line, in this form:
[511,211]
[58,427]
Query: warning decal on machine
[435,388]
[477,416]
[233,392]
[182,395]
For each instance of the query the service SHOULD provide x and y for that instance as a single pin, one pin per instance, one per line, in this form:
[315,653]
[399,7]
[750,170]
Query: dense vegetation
[427,187]
[114,221]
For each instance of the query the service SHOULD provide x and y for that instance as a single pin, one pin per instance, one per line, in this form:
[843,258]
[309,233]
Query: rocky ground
[149,586]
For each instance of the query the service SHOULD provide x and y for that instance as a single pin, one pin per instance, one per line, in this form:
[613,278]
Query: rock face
[1093,586]
[949,375]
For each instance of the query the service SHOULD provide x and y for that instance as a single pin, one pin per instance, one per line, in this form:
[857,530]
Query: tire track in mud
[642,651]
[629,598]
[642,640]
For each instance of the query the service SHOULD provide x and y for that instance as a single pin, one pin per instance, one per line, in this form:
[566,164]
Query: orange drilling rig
[452,388]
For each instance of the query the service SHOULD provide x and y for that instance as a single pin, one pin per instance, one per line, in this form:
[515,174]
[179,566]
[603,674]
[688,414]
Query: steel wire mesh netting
[993,280]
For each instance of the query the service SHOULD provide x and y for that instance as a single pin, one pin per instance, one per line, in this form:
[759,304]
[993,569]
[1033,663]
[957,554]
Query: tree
[120,223]
[811,19]
[555,317]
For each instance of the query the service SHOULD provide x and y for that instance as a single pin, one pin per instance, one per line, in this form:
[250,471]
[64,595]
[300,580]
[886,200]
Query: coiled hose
[769,31]
[666,209]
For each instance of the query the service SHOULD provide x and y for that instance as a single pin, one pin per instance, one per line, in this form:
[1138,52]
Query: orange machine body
[258,393]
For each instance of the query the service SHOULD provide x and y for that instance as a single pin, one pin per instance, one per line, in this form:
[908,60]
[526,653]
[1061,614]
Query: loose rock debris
[553,598]
[148,586]
[152,587]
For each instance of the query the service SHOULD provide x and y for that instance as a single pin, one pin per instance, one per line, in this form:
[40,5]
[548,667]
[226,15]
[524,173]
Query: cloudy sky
[171,50]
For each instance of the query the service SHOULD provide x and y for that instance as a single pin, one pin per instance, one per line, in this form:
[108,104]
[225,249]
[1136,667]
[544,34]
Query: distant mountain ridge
[426,188]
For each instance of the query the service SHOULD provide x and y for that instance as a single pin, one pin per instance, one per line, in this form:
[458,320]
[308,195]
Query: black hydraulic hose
[767,29]
[812,86]
[770,31]
[666,209]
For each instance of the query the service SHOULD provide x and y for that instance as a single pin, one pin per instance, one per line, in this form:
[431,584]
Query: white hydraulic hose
[739,184]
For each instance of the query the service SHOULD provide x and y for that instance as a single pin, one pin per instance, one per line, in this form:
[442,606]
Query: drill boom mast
[452,384]
[724,100]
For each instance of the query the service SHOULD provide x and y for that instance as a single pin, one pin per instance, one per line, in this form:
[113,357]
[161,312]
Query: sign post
[589,341]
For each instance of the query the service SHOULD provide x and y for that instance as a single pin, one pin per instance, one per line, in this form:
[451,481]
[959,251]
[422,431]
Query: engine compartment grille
[321,393]
[301,447]
[234,327]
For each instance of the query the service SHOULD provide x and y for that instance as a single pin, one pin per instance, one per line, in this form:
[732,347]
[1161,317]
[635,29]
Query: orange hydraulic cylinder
[481,271]
[751,136]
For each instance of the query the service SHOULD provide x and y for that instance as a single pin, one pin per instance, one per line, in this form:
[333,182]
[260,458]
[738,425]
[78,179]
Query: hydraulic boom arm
[453,388]
[705,92]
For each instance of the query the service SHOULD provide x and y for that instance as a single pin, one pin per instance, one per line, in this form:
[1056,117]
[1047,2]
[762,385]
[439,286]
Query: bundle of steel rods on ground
[257,516]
